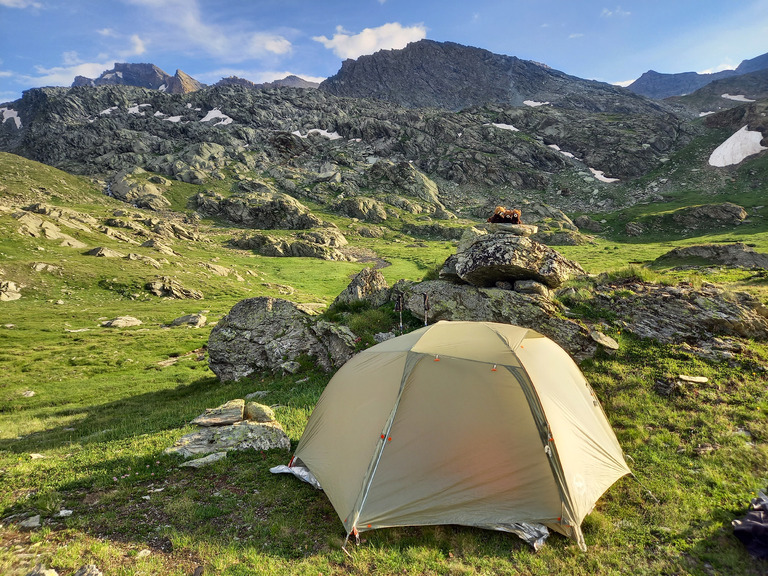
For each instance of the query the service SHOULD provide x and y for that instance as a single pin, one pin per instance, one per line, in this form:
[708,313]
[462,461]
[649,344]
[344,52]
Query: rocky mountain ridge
[659,85]
[143,76]
[452,76]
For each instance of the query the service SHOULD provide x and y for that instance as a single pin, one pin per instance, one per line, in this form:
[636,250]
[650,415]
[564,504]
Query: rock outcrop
[485,259]
[368,285]
[735,255]
[263,334]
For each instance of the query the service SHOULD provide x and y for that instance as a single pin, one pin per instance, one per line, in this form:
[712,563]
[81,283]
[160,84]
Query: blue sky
[49,42]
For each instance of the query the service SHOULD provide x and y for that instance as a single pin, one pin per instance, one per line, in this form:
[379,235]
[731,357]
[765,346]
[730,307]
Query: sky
[49,42]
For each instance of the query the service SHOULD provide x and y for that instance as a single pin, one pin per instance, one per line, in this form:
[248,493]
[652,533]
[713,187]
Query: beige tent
[469,423]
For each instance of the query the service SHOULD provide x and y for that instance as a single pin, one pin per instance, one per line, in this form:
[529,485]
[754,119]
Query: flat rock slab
[223,415]
[240,436]
[204,461]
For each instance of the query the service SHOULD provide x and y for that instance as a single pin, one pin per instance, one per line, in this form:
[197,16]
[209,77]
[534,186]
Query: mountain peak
[144,75]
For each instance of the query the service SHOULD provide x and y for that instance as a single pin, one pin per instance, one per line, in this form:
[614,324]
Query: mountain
[657,85]
[290,81]
[452,76]
[727,93]
[144,76]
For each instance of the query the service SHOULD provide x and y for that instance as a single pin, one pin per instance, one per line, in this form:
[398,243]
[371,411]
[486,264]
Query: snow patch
[563,152]
[702,114]
[108,111]
[534,104]
[737,97]
[600,175]
[504,127]
[173,119]
[329,135]
[216,113]
[8,113]
[163,88]
[136,109]
[742,144]
[159,114]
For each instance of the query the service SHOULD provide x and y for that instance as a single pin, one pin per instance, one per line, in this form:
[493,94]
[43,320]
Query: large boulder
[366,209]
[449,301]
[262,334]
[168,287]
[504,257]
[368,285]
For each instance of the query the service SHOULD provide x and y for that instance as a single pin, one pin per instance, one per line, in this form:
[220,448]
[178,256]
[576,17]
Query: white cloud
[189,28]
[137,46]
[575,35]
[391,35]
[64,75]
[618,12]
[108,32]
[20,4]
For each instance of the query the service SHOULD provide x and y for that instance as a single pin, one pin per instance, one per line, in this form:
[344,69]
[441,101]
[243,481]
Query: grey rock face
[261,334]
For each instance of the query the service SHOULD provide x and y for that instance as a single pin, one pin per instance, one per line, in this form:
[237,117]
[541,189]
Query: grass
[108,401]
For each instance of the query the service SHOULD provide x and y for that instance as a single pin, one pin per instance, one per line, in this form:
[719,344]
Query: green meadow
[86,411]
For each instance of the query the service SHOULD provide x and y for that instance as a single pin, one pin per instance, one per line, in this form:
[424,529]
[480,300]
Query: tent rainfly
[469,423]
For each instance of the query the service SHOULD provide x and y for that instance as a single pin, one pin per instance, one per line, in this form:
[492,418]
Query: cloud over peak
[388,36]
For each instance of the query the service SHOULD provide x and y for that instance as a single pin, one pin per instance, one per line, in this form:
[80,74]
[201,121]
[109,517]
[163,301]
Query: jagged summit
[143,75]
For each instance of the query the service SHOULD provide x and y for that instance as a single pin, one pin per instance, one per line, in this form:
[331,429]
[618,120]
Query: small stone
[204,461]
[89,570]
[257,394]
[65,513]
[122,322]
[604,340]
[28,393]
[291,367]
[41,570]
[693,379]
[32,522]
[144,553]
[258,412]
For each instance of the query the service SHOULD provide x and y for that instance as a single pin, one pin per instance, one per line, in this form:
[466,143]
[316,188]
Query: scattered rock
[41,570]
[634,229]
[604,340]
[122,322]
[191,320]
[31,522]
[204,461]
[530,287]
[102,252]
[9,291]
[89,570]
[170,288]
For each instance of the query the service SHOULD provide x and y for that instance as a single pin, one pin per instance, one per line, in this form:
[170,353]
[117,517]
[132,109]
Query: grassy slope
[104,409]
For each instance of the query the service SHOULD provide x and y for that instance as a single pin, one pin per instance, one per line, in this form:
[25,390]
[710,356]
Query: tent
[469,423]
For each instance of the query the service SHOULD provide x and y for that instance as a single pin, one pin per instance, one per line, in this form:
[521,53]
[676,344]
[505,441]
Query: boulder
[260,334]
[170,288]
[586,223]
[450,301]
[241,435]
[370,285]
[497,257]
[268,245]
[734,255]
